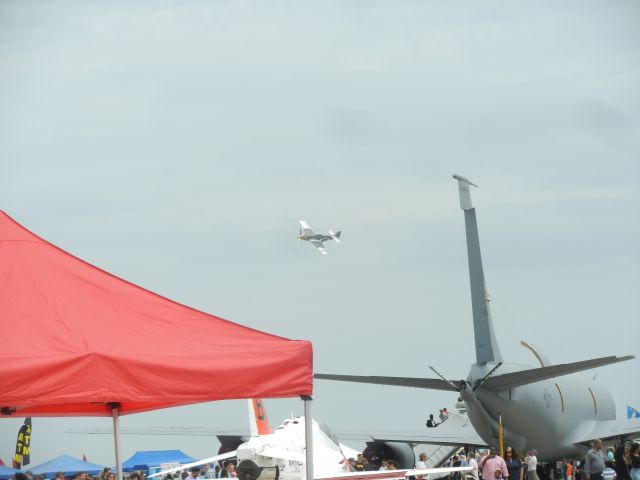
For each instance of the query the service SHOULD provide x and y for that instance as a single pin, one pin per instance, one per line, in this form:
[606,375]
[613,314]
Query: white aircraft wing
[607,429]
[157,430]
[186,466]
[391,474]
[318,244]
[306,229]
[277,452]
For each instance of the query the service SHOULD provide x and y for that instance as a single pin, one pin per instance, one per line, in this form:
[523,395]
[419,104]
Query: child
[608,473]
[569,467]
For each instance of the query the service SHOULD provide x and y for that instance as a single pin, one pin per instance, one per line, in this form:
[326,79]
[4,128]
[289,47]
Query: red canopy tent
[80,341]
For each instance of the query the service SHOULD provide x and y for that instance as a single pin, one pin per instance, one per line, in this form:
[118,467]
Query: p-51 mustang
[280,454]
[317,239]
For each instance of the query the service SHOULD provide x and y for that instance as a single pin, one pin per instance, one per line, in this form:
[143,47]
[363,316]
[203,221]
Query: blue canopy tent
[68,465]
[7,472]
[146,459]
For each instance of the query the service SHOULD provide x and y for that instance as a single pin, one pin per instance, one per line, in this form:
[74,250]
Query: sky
[177,144]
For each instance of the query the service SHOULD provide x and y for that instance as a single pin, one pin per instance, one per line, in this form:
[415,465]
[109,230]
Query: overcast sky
[177,144]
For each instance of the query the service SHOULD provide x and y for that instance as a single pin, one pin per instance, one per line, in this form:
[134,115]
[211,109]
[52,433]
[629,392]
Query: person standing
[195,473]
[569,469]
[621,461]
[514,465]
[532,465]
[421,464]
[491,463]
[473,463]
[207,473]
[594,461]
[634,456]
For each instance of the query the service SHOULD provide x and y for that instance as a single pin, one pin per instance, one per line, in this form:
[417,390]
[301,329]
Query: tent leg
[115,411]
[308,436]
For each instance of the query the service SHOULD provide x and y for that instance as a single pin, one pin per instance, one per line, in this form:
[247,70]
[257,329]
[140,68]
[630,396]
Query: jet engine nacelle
[398,452]
[250,470]
[230,443]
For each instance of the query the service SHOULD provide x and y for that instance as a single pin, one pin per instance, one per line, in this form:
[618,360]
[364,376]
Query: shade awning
[78,340]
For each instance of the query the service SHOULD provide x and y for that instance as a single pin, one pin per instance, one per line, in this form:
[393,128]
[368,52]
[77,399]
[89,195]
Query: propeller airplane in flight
[317,239]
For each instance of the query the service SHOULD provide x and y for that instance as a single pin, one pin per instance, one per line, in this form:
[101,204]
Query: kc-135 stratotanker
[547,407]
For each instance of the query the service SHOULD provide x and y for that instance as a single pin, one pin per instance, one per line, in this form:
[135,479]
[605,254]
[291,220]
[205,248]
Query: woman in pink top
[491,463]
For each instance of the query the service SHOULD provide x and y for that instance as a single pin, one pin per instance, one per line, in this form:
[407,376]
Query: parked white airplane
[317,239]
[280,454]
[543,407]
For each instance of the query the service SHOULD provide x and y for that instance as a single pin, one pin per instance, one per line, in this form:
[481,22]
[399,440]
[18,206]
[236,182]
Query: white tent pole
[308,436]
[115,411]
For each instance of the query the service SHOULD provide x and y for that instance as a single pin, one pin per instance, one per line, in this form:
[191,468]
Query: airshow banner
[23,445]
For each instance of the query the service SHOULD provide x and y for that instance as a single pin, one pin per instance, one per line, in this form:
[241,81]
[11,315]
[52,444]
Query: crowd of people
[206,472]
[621,463]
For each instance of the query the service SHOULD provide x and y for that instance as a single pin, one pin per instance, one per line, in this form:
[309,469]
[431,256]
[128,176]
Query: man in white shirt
[421,464]
[532,465]
[471,462]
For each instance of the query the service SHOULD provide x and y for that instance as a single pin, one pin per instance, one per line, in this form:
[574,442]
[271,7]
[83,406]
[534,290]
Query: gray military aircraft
[317,239]
[546,407]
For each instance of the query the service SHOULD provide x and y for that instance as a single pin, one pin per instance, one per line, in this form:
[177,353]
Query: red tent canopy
[76,339]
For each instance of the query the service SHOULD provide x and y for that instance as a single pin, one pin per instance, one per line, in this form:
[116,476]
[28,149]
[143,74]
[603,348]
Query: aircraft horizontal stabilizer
[524,377]
[430,383]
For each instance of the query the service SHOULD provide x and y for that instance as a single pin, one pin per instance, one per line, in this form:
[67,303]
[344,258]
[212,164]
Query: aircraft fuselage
[317,236]
[560,409]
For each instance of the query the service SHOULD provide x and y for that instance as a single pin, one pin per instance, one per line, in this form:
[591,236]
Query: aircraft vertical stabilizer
[258,418]
[487,349]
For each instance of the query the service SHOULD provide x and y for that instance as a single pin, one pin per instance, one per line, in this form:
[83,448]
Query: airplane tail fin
[336,235]
[487,350]
[258,418]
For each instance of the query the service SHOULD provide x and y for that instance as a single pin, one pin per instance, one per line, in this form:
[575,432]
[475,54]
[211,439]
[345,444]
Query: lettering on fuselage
[547,397]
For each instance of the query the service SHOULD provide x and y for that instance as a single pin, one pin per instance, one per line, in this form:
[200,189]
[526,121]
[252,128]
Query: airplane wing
[318,244]
[186,430]
[431,383]
[391,474]
[306,229]
[456,430]
[607,429]
[187,466]
[462,437]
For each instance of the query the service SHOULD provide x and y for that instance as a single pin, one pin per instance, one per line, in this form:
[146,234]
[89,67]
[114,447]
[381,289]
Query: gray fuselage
[560,409]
